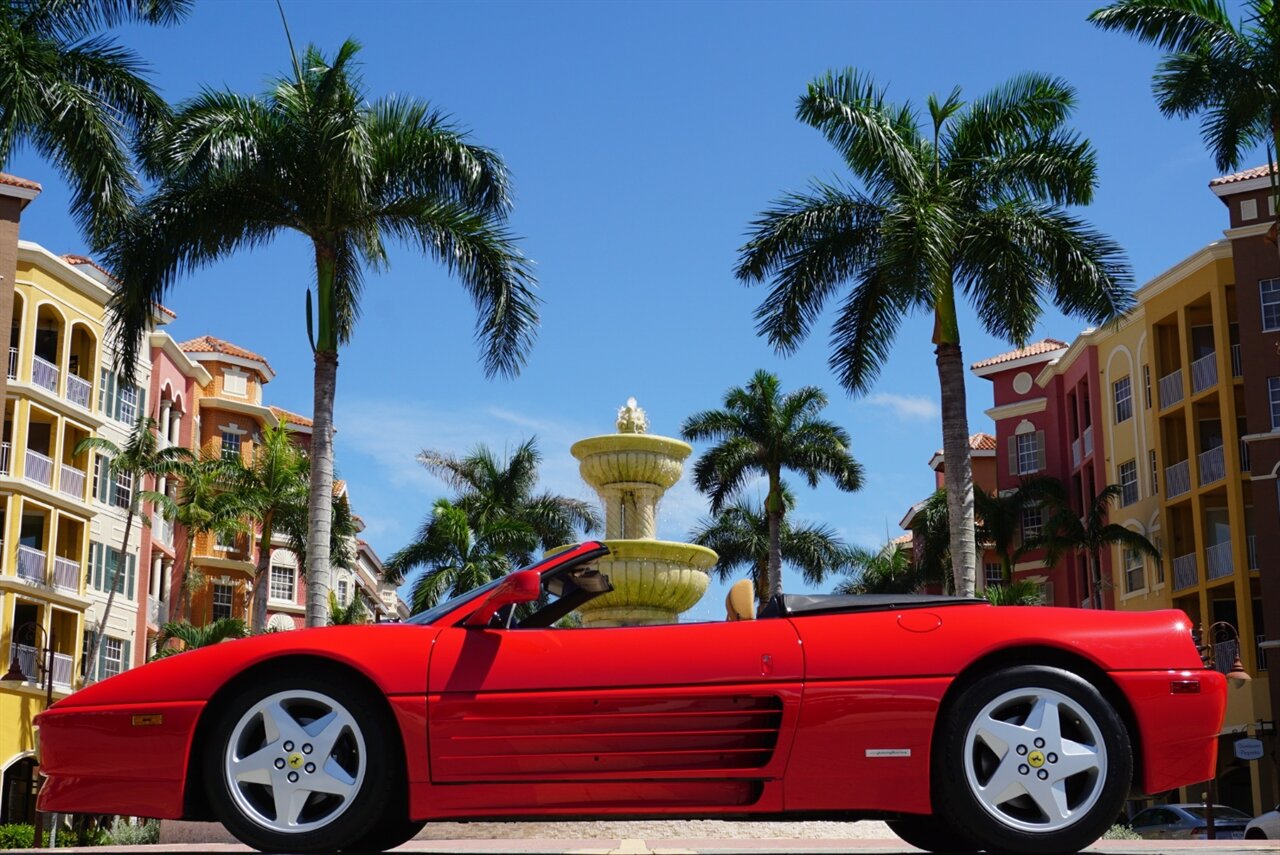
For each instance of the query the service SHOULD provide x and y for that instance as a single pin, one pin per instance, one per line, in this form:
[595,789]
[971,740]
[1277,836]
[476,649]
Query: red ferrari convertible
[1017,730]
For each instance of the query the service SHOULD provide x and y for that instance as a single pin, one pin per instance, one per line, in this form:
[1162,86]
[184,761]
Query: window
[1124,400]
[1273,394]
[1032,523]
[1269,290]
[128,410]
[342,591]
[123,492]
[1128,482]
[1028,453]
[230,445]
[222,599]
[282,583]
[993,573]
[1134,571]
[1146,384]
[104,569]
[234,383]
[112,657]
[1155,473]
[99,464]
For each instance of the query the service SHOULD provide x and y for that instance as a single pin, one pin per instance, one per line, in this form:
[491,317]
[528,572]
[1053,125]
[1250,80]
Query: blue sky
[643,138]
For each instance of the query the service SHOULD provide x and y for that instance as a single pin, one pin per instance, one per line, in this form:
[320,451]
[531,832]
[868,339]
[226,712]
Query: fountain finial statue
[631,419]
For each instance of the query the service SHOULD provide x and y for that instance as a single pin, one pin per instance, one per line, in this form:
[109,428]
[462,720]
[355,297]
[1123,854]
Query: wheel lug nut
[1022,749]
[288,746]
[1024,769]
[310,767]
[293,777]
[1052,758]
[306,748]
[279,763]
[1042,775]
[1039,743]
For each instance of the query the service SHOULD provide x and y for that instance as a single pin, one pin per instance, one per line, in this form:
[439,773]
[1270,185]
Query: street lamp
[1221,632]
[15,674]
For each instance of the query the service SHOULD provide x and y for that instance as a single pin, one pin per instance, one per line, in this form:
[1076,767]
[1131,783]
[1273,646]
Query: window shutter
[126,662]
[142,401]
[1013,455]
[1040,451]
[133,574]
[102,390]
[99,666]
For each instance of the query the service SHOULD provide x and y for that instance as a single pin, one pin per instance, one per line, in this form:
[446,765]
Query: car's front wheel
[1032,760]
[306,765]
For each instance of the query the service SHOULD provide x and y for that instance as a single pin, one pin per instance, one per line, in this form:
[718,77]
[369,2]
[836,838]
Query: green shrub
[136,833]
[1121,832]
[17,836]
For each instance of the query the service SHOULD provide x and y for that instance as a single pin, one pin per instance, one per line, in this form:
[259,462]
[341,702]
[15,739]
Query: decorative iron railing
[1171,389]
[31,564]
[1220,560]
[1186,571]
[66,574]
[71,481]
[39,468]
[1177,479]
[78,390]
[44,373]
[1204,373]
[1213,466]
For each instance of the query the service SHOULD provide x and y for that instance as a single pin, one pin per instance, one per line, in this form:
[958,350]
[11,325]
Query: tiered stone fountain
[654,581]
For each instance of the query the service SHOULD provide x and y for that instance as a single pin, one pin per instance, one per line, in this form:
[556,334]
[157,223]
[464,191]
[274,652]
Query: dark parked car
[1188,822]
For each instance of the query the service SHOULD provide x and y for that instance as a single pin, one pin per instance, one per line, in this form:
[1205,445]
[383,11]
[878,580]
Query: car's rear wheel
[1032,760]
[931,834]
[305,765]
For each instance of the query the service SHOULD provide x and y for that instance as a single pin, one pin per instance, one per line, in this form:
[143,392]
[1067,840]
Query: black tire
[388,836]
[931,834]
[1092,732]
[1255,834]
[374,795]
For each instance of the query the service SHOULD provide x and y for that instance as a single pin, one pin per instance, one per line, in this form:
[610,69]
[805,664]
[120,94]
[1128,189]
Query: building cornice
[64,272]
[1235,188]
[26,194]
[255,410]
[1020,362]
[165,342]
[1021,408]
[1255,230]
[262,370]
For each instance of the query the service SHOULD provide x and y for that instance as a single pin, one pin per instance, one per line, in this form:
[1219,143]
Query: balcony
[71,481]
[1171,389]
[1076,447]
[31,564]
[5,449]
[44,373]
[78,390]
[1251,544]
[162,529]
[63,666]
[1186,571]
[157,611]
[13,363]
[1204,373]
[39,468]
[1237,363]
[1177,479]
[1213,466]
[1088,440]
[1220,560]
[66,574]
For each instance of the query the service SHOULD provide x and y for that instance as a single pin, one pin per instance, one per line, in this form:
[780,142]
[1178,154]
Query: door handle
[766,665]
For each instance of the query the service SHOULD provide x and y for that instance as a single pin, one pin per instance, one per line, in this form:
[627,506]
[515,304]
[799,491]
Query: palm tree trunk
[774,508]
[111,595]
[262,578]
[320,503]
[1095,575]
[957,467]
[187,586]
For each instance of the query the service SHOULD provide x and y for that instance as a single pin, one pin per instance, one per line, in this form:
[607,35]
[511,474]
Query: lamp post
[43,660]
[1219,632]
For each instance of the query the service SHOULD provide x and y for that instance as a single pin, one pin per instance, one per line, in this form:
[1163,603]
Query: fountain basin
[630,458]
[653,582]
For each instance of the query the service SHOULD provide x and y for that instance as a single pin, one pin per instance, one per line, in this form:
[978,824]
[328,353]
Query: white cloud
[905,406]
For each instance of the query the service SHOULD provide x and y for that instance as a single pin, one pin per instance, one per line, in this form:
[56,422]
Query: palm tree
[739,534]
[931,540]
[352,613]
[273,483]
[1066,531]
[457,553]
[888,570]
[1020,592]
[1000,517]
[141,457]
[315,157]
[761,431]
[490,487]
[207,501]
[974,200]
[1222,71]
[291,521]
[191,637]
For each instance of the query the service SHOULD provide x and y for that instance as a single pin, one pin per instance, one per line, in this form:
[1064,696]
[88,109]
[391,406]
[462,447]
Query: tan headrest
[741,601]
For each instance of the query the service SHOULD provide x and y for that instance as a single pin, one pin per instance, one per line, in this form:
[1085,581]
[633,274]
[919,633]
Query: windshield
[1219,812]
[449,605]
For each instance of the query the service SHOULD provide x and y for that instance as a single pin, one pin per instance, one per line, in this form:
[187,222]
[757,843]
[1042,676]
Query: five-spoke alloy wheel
[1033,759]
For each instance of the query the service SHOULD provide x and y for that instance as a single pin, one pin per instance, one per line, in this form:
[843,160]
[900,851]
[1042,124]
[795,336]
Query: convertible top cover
[806,604]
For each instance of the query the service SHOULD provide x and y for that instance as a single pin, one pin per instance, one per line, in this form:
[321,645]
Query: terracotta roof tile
[1248,174]
[294,418]
[339,487]
[982,442]
[1047,345]
[209,344]
[904,539]
[15,181]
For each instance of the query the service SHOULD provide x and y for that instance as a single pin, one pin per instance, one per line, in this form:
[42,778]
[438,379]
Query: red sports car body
[1014,729]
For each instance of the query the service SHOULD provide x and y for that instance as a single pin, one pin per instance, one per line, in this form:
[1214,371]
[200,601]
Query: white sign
[1248,749]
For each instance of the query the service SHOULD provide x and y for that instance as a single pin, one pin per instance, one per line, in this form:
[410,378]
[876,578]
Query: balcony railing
[62,669]
[1220,560]
[1204,373]
[28,658]
[1177,479]
[1224,655]
[1088,440]
[1171,389]
[1213,466]
[5,449]
[162,529]
[39,468]
[157,611]
[66,574]
[13,363]
[78,390]
[32,662]
[1237,363]
[1186,571]
[1260,651]
[1076,447]
[71,481]
[44,373]
[1251,545]
[31,564]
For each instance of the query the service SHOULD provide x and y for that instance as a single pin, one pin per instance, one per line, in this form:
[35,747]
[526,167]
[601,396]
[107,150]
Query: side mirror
[521,587]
